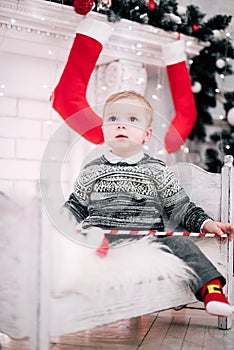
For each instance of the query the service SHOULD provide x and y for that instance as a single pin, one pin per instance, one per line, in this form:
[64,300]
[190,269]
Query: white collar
[112,158]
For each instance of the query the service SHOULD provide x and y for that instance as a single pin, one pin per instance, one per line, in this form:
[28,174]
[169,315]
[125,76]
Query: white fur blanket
[78,269]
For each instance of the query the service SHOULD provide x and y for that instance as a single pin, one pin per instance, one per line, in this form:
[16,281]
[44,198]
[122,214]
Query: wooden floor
[187,329]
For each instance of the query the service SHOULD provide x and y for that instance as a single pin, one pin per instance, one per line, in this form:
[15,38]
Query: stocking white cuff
[97,30]
[174,52]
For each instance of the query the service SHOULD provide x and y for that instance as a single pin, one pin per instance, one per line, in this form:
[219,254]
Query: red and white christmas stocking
[69,96]
[182,95]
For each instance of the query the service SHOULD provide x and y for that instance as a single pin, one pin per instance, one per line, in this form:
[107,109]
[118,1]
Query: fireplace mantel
[49,26]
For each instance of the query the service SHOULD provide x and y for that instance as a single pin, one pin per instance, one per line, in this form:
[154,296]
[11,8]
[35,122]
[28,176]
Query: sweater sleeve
[177,205]
[76,208]
[78,200]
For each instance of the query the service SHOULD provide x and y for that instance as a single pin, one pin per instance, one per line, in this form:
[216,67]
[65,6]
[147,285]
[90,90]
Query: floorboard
[123,335]
[187,329]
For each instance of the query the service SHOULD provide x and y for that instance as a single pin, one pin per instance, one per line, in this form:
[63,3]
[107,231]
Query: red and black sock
[215,301]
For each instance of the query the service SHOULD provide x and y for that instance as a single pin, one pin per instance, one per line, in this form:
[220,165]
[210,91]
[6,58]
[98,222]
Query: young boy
[127,189]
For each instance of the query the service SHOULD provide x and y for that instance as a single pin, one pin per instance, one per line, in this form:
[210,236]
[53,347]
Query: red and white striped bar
[152,233]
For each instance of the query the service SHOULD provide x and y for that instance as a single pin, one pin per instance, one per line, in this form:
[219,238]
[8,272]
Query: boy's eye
[112,118]
[133,119]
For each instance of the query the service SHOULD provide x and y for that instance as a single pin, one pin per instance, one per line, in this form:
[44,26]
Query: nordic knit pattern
[132,196]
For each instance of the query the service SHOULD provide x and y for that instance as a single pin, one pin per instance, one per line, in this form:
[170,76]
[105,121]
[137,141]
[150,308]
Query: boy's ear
[148,134]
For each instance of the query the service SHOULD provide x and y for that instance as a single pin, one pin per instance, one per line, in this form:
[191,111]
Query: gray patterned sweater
[132,197]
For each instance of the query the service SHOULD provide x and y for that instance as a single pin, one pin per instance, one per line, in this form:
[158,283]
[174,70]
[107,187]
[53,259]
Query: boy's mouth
[121,136]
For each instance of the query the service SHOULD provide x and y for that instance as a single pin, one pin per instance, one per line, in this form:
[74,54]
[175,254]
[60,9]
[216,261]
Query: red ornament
[83,7]
[195,27]
[152,5]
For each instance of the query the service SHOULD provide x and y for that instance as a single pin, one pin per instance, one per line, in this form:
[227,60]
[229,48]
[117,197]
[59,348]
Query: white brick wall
[36,109]
[20,128]
[8,106]
[30,149]
[28,122]
[26,127]
[7,148]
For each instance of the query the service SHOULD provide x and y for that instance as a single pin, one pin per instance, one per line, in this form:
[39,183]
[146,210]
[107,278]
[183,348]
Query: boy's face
[126,127]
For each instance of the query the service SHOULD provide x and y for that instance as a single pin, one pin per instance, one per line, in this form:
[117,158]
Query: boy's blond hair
[134,96]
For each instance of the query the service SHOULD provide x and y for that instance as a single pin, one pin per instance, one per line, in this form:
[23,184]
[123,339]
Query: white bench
[36,298]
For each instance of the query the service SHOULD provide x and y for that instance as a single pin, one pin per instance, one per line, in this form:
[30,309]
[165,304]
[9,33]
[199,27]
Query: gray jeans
[188,251]
[185,249]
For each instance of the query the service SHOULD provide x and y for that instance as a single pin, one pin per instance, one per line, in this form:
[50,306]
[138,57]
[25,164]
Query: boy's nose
[121,126]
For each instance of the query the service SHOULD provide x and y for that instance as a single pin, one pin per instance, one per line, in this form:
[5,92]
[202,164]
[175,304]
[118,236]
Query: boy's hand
[219,228]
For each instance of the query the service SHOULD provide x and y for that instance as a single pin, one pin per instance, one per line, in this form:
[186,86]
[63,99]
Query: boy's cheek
[107,127]
[105,130]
